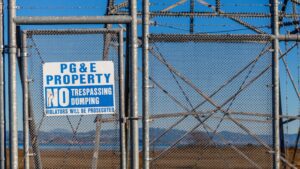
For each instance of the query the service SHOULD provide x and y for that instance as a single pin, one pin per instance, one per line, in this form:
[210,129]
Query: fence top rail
[231,38]
[210,38]
[58,20]
[71,31]
[209,14]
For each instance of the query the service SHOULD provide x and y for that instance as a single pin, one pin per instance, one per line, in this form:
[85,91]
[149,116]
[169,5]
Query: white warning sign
[78,88]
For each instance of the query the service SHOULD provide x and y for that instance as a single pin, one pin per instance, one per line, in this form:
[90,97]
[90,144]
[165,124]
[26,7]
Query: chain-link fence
[210,102]
[70,141]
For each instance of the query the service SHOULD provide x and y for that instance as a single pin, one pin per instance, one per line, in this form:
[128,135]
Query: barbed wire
[219,31]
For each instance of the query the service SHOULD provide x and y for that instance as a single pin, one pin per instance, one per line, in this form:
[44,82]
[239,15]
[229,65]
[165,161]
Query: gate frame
[28,116]
[275,37]
[14,21]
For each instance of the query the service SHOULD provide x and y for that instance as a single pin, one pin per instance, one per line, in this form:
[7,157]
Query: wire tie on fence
[148,159]
[133,118]
[24,54]
[29,80]
[31,154]
[271,50]
[150,86]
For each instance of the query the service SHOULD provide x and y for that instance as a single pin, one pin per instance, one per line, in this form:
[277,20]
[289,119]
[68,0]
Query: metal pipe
[289,37]
[202,114]
[291,78]
[107,41]
[97,142]
[34,136]
[25,100]
[282,137]
[127,95]
[275,81]
[210,37]
[72,31]
[218,6]
[27,107]
[50,20]
[179,2]
[2,110]
[192,10]
[122,117]
[134,88]
[107,36]
[122,101]
[210,14]
[145,84]
[221,37]
[13,85]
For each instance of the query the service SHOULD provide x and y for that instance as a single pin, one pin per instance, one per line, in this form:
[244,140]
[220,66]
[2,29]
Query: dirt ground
[177,158]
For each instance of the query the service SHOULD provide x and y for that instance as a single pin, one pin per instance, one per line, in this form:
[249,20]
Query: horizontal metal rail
[52,20]
[111,120]
[178,114]
[220,37]
[289,37]
[210,38]
[209,14]
[72,31]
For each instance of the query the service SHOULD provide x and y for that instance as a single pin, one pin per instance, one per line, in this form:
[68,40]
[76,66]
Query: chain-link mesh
[211,104]
[69,141]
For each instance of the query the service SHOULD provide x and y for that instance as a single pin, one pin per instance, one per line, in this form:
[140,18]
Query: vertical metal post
[107,36]
[218,5]
[282,141]
[13,85]
[2,110]
[192,10]
[134,88]
[25,101]
[29,123]
[122,102]
[145,36]
[127,100]
[34,136]
[97,142]
[107,40]
[275,80]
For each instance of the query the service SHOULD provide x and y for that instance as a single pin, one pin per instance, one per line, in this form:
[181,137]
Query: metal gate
[210,101]
[70,141]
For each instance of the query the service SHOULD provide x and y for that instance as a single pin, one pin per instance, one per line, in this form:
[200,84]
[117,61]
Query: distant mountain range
[63,136]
